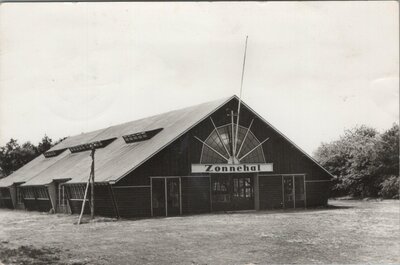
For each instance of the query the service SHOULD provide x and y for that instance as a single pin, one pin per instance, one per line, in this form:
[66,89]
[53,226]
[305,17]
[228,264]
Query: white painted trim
[219,137]
[242,127]
[294,192]
[283,193]
[200,176]
[277,174]
[293,189]
[212,149]
[211,201]
[180,196]
[321,180]
[151,197]
[305,192]
[168,177]
[166,196]
[194,176]
[244,138]
[252,150]
[166,193]
[124,187]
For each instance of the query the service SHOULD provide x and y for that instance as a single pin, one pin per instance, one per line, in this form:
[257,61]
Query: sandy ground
[348,232]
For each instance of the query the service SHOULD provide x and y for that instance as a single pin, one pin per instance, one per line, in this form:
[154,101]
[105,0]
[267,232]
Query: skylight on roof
[53,153]
[90,146]
[141,136]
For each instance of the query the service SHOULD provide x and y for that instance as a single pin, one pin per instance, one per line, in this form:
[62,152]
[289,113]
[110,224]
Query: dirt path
[350,232]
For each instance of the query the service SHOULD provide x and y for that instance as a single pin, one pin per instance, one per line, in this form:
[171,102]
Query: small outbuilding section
[195,160]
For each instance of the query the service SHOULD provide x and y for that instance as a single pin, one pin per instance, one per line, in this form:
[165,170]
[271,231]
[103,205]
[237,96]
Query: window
[221,191]
[242,188]
[42,193]
[29,193]
[53,153]
[140,136]
[61,196]
[247,148]
[20,197]
[77,191]
[90,146]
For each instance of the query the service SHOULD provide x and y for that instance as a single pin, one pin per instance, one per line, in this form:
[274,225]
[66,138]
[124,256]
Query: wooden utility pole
[92,185]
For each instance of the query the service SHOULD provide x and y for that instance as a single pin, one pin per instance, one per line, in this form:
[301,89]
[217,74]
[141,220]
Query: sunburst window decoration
[232,144]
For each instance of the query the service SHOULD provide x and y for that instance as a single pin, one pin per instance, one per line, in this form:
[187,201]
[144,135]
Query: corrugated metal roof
[31,169]
[116,159]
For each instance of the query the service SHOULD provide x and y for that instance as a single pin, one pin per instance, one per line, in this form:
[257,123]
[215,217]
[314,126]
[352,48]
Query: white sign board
[231,168]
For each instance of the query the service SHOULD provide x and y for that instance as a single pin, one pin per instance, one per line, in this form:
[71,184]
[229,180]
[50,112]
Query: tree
[361,160]
[44,145]
[388,163]
[13,156]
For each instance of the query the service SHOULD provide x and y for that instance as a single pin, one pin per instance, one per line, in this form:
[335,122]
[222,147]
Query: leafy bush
[390,188]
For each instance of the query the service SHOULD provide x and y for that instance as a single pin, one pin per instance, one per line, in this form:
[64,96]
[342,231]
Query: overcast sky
[313,69]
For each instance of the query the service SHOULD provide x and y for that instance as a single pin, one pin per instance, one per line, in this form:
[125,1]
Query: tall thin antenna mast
[240,98]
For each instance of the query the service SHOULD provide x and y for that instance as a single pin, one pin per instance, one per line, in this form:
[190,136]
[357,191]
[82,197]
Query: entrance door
[158,196]
[173,196]
[288,192]
[293,191]
[243,195]
[166,199]
[299,194]
[232,192]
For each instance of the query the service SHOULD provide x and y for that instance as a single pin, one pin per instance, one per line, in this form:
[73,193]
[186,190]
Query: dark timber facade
[194,160]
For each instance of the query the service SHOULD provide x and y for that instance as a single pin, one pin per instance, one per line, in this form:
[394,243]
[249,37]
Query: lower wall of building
[135,201]
[103,202]
[76,206]
[30,204]
[132,201]
[43,205]
[195,195]
[7,203]
[270,192]
[317,193]
[5,198]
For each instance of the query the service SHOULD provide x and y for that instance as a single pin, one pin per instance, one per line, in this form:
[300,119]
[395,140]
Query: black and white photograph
[199,133]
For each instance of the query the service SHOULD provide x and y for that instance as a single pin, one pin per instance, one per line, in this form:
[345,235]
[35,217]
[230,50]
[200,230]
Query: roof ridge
[171,111]
[102,130]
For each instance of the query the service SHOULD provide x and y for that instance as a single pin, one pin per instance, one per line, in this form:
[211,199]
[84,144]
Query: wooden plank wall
[195,195]
[76,206]
[103,201]
[30,204]
[317,193]
[132,201]
[43,205]
[270,192]
[5,198]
